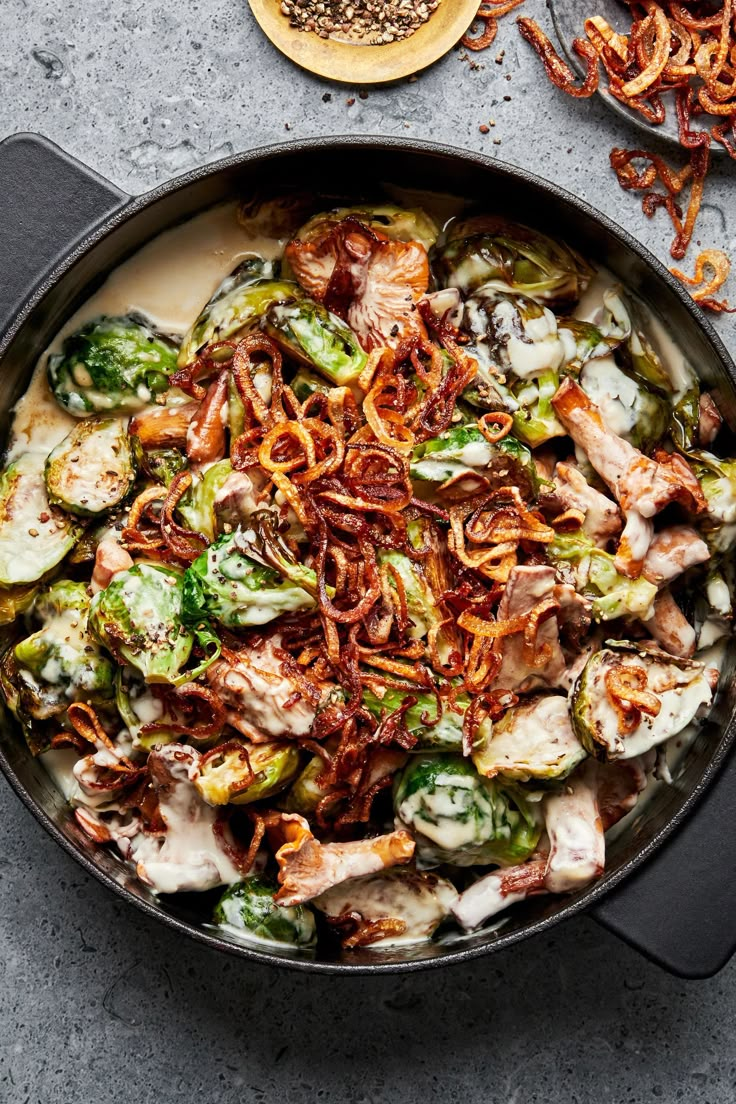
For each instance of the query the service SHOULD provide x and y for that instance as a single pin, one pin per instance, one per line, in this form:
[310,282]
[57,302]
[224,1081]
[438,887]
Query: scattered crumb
[483,128]
[327,98]
[363,94]
[350,101]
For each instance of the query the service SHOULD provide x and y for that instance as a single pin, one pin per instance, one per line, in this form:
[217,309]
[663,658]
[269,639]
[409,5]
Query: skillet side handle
[48,201]
[679,908]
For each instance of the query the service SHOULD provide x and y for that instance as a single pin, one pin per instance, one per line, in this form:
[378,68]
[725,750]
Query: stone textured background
[98,1004]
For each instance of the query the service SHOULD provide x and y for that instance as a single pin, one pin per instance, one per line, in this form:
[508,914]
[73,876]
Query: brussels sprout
[197,506]
[316,337]
[111,364]
[445,735]
[686,418]
[306,383]
[304,794]
[226,582]
[421,603]
[162,465]
[419,901]
[249,909]
[396,223]
[34,536]
[463,448]
[55,666]
[16,601]
[138,618]
[677,687]
[239,303]
[535,421]
[514,334]
[459,817]
[641,359]
[717,478]
[627,407]
[514,257]
[534,739]
[226,774]
[613,595]
[93,468]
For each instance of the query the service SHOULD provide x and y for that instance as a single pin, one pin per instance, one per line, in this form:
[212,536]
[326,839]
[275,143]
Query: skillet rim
[128,211]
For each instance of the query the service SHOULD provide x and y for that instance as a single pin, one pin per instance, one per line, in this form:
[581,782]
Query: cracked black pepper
[372,21]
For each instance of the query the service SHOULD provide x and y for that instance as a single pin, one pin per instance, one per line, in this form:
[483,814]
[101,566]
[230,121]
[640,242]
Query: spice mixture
[373,21]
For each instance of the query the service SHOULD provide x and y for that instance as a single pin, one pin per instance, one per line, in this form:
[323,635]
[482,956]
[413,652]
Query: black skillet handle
[679,909]
[48,201]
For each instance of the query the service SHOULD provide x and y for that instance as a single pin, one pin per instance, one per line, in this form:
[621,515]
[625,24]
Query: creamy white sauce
[613,393]
[169,280]
[422,902]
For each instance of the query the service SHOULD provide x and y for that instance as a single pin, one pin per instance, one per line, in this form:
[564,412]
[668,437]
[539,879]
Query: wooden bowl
[356,63]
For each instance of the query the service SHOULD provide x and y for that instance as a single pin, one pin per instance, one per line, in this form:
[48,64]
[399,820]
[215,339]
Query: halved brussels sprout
[628,407]
[396,223]
[463,448]
[239,303]
[717,478]
[57,665]
[163,464]
[674,689]
[316,337]
[306,383]
[445,735]
[111,364]
[229,584]
[534,739]
[34,536]
[535,421]
[515,257]
[615,595]
[249,909]
[304,794]
[15,601]
[612,594]
[686,418]
[93,468]
[641,359]
[197,506]
[421,603]
[459,817]
[514,334]
[138,618]
[225,773]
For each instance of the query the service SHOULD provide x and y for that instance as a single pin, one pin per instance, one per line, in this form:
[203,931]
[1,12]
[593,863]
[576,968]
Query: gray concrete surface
[97,1004]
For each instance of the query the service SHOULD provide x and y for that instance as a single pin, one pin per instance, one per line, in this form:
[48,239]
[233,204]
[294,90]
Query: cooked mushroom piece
[190,855]
[394,907]
[307,867]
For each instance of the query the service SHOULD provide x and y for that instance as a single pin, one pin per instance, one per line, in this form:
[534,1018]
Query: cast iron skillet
[63,228]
